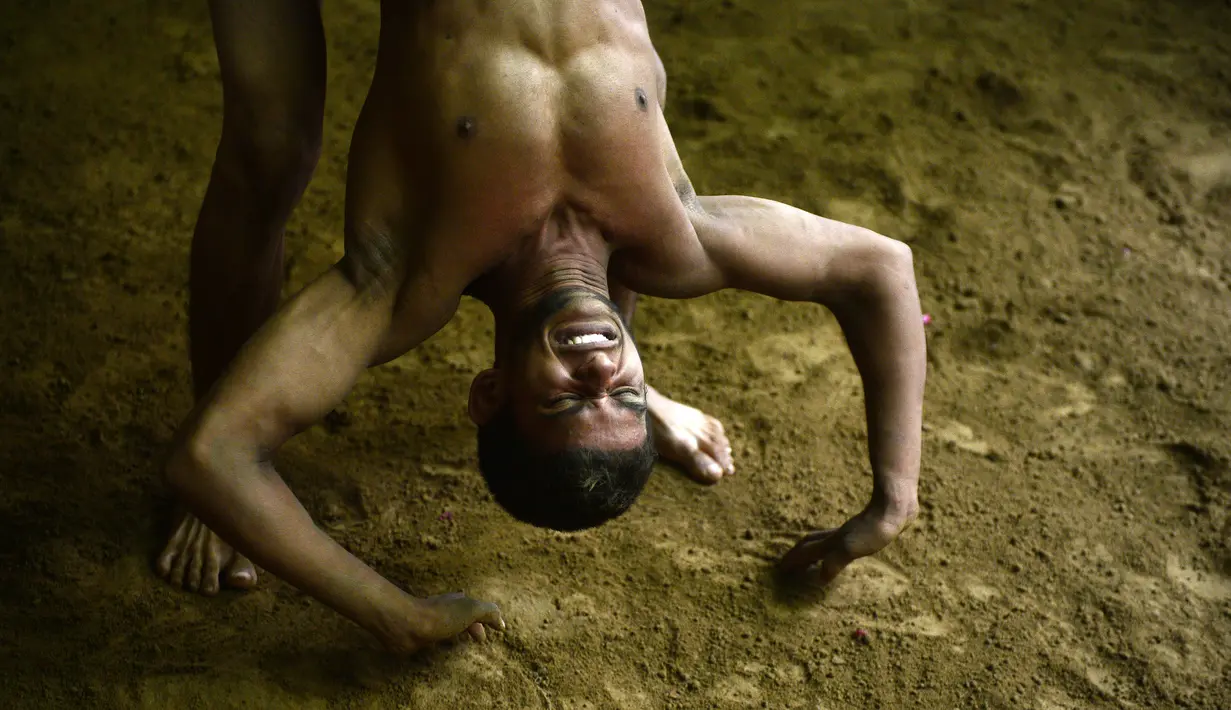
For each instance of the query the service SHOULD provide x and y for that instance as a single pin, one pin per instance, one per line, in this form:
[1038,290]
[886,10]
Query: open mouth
[585,336]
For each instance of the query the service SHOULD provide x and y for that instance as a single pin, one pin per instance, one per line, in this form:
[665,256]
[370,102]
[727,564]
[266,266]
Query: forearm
[867,280]
[246,502]
[883,324]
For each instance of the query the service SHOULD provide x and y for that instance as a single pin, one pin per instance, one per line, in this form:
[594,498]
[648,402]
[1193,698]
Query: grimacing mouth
[584,337]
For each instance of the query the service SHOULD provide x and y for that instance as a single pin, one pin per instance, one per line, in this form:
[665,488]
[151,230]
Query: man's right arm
[295,370]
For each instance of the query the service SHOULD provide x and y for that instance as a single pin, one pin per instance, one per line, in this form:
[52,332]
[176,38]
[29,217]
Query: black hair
[569,490]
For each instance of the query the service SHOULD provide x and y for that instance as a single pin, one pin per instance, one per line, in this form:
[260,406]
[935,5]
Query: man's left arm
[868,282]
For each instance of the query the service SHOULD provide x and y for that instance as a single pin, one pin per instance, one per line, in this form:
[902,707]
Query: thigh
[271,54]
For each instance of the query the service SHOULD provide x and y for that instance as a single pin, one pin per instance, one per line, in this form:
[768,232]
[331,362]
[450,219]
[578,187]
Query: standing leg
[272,59]
[684,435]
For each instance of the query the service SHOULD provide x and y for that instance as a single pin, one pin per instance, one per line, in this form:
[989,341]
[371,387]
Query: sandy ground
[1063,173]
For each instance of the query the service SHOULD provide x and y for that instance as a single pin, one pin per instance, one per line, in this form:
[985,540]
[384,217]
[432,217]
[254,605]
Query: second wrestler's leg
[684,435]
[272,59]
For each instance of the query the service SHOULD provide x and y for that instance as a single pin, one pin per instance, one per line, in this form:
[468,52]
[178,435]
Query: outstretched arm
[293,371]
[868,282]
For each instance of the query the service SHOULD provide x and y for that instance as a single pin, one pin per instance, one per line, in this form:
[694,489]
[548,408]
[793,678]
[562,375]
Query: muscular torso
[491,121]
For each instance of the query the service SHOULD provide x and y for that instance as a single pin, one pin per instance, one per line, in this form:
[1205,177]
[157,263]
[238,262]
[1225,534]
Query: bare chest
[512,140]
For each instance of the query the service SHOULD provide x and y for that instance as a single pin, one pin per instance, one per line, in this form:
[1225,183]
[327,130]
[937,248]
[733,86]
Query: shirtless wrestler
[515,152]
[272,57]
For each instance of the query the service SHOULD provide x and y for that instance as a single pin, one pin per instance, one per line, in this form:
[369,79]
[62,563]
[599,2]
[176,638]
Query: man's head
[564,441]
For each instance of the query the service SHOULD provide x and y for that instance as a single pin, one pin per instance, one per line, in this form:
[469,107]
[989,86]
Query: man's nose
[598,370]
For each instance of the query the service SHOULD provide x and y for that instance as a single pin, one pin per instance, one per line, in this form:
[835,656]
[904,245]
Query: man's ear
[486,396]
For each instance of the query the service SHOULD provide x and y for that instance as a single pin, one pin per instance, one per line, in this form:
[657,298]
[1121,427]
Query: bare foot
[690,438]
[198,560]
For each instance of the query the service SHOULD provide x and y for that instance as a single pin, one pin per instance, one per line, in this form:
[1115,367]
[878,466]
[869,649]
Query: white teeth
[585,339]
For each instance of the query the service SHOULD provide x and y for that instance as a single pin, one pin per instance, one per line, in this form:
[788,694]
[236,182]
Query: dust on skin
[1079,562]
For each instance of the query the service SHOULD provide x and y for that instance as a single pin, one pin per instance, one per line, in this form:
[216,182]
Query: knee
[273,151]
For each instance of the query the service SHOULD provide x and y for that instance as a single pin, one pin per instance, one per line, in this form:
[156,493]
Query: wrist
[392,618]
[896,503]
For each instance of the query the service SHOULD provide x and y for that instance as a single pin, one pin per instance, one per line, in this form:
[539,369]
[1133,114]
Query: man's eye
[564,399]
[627,393]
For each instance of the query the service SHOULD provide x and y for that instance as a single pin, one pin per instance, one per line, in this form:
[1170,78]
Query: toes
[241,574]
[692,440]
[174,546]
[212,567]
[719,445]
[176,576]
[704,468]
[199,550]
[194,557]
[711,460]
[163,564]
[723,456]
[477,632]
[492,616]
[685,449]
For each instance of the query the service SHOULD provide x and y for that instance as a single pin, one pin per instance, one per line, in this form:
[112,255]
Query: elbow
[889,276]
[896,264]
[878,270]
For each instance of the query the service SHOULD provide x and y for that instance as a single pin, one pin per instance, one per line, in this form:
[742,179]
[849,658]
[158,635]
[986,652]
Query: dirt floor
[1063,173]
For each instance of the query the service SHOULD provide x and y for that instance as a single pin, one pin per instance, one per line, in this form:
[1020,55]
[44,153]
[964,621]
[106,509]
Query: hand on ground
[442,618]
[865,534]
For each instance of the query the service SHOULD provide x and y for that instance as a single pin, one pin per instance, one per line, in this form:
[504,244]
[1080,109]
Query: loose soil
[1063,174]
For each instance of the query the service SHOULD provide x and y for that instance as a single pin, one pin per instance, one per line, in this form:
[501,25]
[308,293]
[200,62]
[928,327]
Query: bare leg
[685,436]
[272,58]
